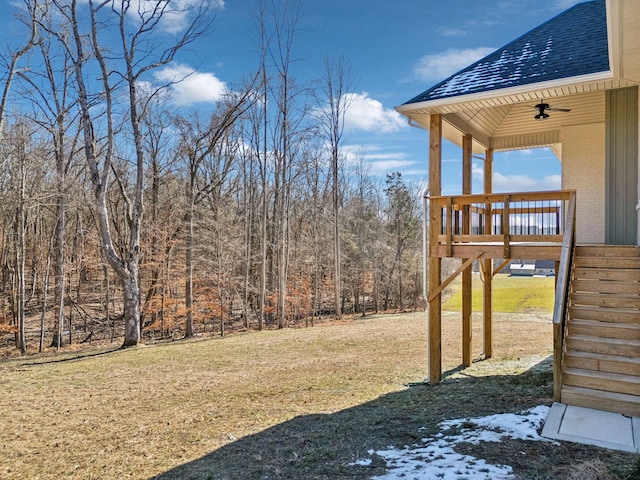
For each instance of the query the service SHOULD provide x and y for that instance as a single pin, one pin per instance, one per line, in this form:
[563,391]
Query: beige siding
[630,16]
[583,169]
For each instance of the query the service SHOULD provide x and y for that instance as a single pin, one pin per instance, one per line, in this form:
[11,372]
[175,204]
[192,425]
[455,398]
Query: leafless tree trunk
[286,135]
[260,140]
[198,143]
[20,251]
[334,103]
[52,91]
[135,61]
[45,297]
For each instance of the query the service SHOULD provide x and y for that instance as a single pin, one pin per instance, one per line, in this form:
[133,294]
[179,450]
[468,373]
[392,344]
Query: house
[570,84]
[544,267]
[529,268]
[520,268]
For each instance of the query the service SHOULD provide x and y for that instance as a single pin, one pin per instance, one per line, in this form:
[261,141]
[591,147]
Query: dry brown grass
[262,405]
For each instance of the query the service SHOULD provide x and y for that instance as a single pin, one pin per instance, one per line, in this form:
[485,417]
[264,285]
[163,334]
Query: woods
[128,215]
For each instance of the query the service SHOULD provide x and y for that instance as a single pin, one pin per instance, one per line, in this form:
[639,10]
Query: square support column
[467,291]
[488,262]
[435,263]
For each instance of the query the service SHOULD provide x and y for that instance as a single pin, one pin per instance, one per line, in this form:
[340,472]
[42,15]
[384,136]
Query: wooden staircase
[601,360]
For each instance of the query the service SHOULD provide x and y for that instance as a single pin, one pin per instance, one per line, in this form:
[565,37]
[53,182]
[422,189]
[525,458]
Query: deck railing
[505,218]
[561,303]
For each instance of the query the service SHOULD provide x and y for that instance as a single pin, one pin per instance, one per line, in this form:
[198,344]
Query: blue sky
[397,50]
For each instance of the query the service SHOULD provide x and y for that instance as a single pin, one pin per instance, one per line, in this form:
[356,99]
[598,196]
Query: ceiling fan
[542,107]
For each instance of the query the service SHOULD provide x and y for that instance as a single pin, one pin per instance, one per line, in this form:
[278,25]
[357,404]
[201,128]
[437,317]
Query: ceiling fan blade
[559,109]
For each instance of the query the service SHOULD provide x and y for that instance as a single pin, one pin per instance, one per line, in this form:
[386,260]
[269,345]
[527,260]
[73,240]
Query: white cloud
[452,31]
[382,159]
[178,14]
[388,166]
[564,4]
[178,17]
[524,183]
[368,114]
[437,67]
[190,85]
[518,183]
[477,171]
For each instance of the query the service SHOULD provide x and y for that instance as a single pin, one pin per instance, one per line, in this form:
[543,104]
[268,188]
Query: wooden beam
[487,310]
[449,226]
[502,265]
[506,228]
[488,188]
[467,141]
[435,263]
[436,293]
[467,291]
[496,251]
[487,304]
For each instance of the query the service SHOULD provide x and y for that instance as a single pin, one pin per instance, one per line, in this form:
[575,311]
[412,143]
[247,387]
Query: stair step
[613,315]
[601,363]
[609,401]
[605,381]
[608,250]
[605,286]
[607,262]
[607,274]
[605,346]
[622,331]
[630,302]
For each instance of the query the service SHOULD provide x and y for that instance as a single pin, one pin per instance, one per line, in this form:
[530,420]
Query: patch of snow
[503,71]
[364,462]
[437,458]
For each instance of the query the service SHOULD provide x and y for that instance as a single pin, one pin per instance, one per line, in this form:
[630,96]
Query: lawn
[510,294]
[288,404]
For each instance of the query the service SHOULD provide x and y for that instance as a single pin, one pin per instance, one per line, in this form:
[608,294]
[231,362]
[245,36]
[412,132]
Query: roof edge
[505,92]
[614,34]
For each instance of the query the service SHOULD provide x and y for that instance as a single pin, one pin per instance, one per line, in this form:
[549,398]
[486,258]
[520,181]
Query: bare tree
[334,104]
[198,144]
[53,101]
[403,227]
[277,136]
[31,21]
[24,167]
[138,32]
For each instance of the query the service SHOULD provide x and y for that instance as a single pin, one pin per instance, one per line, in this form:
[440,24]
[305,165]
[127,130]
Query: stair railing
[561,304]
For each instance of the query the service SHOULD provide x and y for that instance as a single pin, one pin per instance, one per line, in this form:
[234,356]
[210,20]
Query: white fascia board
[614,35]
[505,92]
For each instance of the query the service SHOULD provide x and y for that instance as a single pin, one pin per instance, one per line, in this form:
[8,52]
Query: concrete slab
[592,427]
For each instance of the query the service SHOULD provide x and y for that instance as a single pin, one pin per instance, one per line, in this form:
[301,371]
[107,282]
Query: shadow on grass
[73,357]
[325,446]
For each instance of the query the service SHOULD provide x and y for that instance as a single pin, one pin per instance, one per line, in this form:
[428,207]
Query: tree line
[124,216]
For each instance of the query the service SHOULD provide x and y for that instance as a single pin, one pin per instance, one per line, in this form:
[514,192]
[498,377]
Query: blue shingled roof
[571,44]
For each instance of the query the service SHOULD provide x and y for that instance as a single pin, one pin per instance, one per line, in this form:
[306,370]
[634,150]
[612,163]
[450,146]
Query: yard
[288,404]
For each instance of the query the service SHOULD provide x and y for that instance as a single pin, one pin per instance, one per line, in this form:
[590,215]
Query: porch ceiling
[506,122]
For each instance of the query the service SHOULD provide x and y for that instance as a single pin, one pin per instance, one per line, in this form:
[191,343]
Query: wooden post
[435,263]
[466,273]
[488,262]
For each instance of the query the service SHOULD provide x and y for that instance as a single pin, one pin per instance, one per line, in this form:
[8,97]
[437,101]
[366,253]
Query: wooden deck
[483,228]
[597,305]
[509,225]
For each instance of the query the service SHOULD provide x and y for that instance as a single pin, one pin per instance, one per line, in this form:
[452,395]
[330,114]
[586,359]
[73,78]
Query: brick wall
[583,169]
